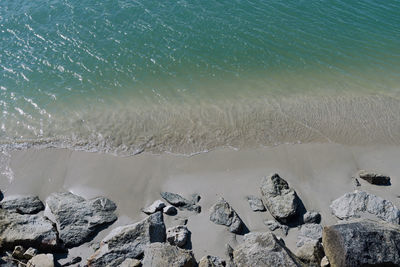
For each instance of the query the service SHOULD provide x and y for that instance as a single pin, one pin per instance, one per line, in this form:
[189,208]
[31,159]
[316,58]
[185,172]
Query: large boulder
[28,231]
[281,201]
[181,202]
[263,249]
[222,213]
[129,241]
[353,205]
[362,243]
[79,219]
[374,178]
[22,204]
[164,254]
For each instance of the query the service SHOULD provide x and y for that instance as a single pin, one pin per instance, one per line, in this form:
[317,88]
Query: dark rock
[311,253]
[181,202]
[79,219]
[223,214]
[374,178]
[211,261]
[22,204]
[178,235]
[309,232]
[263,249]
[312,217]
[157,205]
[170,210]
[30,253]
[358,203]
[129,241]
[362,243]
[281,201]
[28,231]
[164,254]
[255,203]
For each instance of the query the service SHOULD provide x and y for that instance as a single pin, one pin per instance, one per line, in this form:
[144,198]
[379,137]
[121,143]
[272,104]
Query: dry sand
[318,172]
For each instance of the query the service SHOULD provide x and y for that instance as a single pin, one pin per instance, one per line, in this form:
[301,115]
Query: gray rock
[170,210]
[255,203]
[311,253]
[211,261]
[362,243]
[312,217]
[178,235]
[131,263]
[129,241]
[353,205]
[79,219]
[181,202]
[157,205]
[30,253]
[22,204]
[164,254]
[263,249]
[374,178]
[309,232]
[223,214]
[273,225]
[281,201]
[42,260]
[27,230]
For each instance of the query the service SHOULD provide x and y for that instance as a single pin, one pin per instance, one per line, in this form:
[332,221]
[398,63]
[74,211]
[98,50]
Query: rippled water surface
[189,76]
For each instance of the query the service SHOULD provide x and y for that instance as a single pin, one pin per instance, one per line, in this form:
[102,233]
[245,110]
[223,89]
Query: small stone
[157,205]
[178,235]
[18,252]
[131,263]
[22,204]
[309,232]
[312,217]
[223,214]
[170,210]
[211,261]
[255,203]
[374,178]
[325,262]
[42,260]
[30,253]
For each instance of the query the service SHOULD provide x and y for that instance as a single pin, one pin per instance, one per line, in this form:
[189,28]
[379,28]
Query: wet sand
[319,173]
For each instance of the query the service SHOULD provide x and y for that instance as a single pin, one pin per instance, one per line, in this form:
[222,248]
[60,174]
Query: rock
[309,232]
[129,241]
[273,225]
[311,253]
[281,201]
[79,219]
[131,263]
[374,178]
[181,202]
[157,205]
[170,210]
[178,235]
[255,203]
[212,261]
[30,253]
[164,254]
[22,204]
[27,230]
[1,196]
[18,252]
[42,260]
[358,203]
[72,262]
[325,262]
[263,249]
[223,214]
[362,243]
[312,217]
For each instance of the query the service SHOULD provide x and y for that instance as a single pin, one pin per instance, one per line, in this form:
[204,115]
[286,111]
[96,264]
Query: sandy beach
[319,173]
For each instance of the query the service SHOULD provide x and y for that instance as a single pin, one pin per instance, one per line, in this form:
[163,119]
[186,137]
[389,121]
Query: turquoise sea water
[189,76]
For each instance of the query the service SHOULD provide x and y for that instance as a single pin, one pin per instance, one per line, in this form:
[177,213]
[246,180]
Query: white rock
[157,205]
[42,260]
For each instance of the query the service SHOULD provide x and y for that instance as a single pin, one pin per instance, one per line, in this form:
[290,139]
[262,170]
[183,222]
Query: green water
[189,76]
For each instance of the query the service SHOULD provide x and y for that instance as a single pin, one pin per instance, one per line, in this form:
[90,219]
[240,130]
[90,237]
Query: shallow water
[185,76]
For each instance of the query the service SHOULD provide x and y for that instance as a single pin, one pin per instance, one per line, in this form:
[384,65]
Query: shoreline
[319,173]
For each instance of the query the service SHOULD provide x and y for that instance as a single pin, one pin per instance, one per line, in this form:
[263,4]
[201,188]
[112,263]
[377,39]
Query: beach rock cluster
[368,233]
